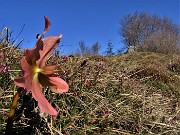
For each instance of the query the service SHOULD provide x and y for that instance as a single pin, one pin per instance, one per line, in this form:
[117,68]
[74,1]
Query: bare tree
[161,43]
[95,48]
[82,47]
[84,50]
[149,32]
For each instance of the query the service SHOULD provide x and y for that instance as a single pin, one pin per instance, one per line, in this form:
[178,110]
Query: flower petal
[50,69]
[33,54]
[47,24]
[43,103]
[24,82]
[49,45]
[20,82]
[59,85]
[28,82]
[25,67]
[56,84]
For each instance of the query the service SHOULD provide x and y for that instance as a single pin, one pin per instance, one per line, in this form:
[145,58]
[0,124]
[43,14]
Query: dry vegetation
[134,93]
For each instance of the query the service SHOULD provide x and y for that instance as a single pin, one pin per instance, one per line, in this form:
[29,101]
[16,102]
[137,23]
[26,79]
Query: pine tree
[109,50]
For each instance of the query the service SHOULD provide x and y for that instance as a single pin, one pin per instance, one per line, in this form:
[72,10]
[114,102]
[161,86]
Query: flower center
[37,70]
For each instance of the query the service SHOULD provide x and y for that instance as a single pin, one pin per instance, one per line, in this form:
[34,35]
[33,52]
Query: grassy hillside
[135,93]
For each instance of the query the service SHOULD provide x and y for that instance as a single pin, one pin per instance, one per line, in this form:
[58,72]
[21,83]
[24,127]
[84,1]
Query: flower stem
[12,112]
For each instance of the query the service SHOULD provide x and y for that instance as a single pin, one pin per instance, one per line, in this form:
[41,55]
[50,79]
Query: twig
[19,34]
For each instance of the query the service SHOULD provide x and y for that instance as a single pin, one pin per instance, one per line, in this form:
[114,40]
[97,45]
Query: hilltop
[134,93]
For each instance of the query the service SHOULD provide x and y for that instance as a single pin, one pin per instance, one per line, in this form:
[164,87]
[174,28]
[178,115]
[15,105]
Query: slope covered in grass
[135,93]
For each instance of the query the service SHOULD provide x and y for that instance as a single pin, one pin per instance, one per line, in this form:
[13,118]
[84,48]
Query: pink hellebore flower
[36,74]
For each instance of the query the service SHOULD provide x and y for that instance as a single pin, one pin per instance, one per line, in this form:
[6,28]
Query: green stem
[12,112]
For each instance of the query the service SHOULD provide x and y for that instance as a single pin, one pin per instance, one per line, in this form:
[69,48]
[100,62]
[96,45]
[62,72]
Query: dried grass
[126,94]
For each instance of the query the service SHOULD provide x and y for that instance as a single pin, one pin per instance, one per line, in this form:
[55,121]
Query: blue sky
[87,20]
